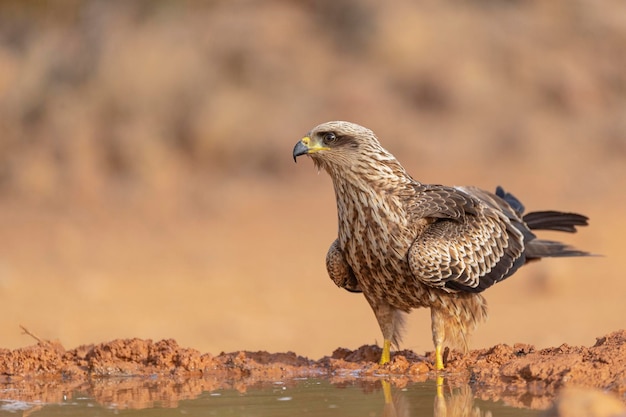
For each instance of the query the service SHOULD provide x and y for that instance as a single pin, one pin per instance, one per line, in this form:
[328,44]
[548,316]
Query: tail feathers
[539,248]
[555,220]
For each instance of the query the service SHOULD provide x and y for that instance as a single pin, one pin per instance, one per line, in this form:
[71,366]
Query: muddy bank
[144,371]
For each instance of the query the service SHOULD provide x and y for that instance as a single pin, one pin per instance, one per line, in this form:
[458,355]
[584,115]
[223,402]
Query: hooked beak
[299,149]
[307,146]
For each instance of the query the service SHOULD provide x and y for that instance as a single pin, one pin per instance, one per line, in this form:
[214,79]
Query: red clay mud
[520,374]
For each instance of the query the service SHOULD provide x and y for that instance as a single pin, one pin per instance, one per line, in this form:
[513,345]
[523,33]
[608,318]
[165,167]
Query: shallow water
[310,397]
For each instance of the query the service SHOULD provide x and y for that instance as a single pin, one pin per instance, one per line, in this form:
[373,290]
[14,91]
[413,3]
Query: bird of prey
[405,244]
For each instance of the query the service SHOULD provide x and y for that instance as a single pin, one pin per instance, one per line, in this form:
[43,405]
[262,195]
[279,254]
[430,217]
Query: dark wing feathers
[477,238]
[543,220]
[555,220]
[470,246]
[541,248]
[511,200]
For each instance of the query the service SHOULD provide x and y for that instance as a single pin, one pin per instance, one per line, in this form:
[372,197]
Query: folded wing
[470,242]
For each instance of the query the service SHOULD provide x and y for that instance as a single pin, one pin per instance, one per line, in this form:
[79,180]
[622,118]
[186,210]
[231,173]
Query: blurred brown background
[147,187]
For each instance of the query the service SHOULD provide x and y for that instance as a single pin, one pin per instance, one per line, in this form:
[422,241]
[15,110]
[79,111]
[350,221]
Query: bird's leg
[390,321]
[386,356]
[438,327]
[438,358]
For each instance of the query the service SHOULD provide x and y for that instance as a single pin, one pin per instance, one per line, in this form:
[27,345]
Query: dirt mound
[139,358]
[519,374]
[527,374]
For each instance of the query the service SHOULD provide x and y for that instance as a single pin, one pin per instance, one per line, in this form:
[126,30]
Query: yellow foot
[438,358]
[386,356]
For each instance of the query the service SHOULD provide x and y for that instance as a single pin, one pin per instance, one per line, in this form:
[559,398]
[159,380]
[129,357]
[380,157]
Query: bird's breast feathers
[375,235]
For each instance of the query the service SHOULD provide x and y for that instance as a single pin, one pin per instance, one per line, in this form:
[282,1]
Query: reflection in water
[455,401]
[450,401]
[396,405]
[197,397]
[118,393]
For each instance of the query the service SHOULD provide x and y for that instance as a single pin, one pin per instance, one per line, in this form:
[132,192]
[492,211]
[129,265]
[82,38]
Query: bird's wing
[468,245]
[439,201]
[339,270]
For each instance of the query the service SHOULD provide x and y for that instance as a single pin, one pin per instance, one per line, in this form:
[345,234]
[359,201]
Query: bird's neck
[385,180]
[372,201]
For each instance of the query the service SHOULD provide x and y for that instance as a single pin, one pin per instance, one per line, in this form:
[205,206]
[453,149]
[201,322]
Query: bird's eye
[329,137]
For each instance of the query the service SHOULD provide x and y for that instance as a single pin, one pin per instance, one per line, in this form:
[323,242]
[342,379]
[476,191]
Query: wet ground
[135,373]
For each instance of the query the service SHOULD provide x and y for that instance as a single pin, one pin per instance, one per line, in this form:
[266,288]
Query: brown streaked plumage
[406,245]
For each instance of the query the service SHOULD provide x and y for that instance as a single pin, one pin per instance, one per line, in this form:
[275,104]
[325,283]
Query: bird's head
[337,146]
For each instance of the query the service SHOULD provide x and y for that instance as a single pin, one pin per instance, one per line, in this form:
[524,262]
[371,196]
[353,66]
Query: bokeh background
[147,187]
